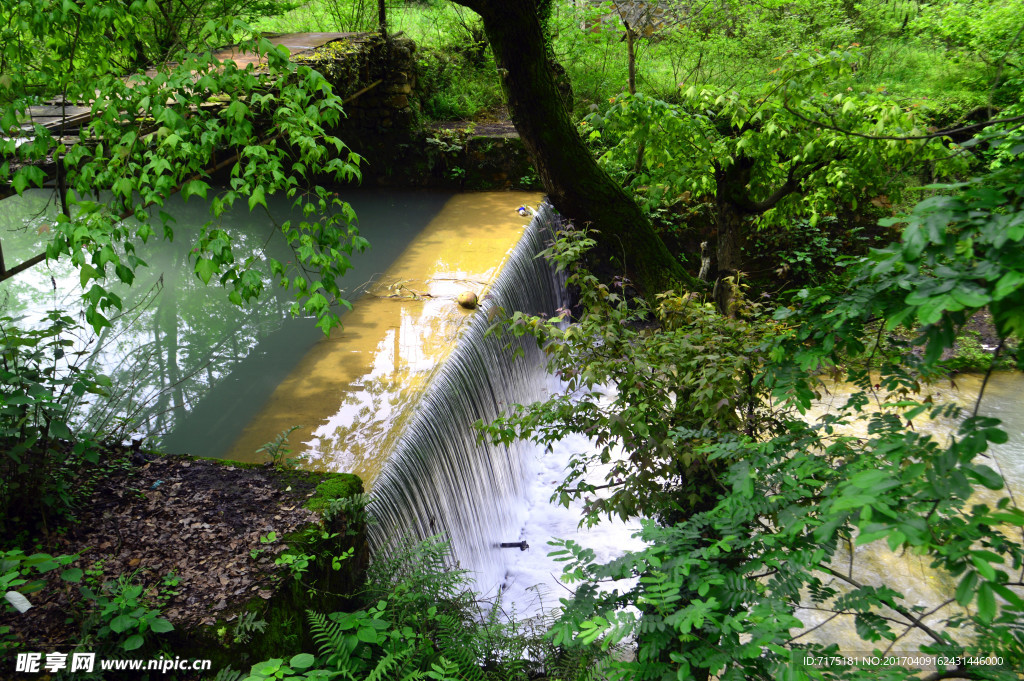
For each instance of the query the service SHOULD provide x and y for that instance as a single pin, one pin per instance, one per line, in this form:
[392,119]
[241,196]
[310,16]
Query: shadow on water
[390,221]
[187,365]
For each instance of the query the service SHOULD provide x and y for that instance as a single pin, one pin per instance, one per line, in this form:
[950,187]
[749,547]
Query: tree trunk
[575,184]
[730,197]
[631,56]
[727,252]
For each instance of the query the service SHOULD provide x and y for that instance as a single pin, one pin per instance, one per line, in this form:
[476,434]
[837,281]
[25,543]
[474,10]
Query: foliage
[451,87]
[151,136]
[675,373]
[790,141]
[351,509]
[16,570]
[246,625]
[147,137]
[948,52]
[422,622]
[268,538]
[725,587]
[40,387]
[336,486]
[961,250]
[120,614]
[278,450]
[297,563]
[969,354]
[986,32]
[167,26]
[805,254]
[352,15]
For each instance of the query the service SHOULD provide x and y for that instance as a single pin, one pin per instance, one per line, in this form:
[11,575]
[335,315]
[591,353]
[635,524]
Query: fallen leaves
[200,523]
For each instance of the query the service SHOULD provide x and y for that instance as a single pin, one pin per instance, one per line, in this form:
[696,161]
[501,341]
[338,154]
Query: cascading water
[439,478]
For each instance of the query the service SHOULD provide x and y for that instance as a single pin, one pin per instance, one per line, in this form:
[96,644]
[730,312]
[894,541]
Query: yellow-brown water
[910,574]
[352,394]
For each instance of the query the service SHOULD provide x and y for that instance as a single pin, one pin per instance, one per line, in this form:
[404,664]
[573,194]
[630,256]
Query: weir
[393,395]
[439,478]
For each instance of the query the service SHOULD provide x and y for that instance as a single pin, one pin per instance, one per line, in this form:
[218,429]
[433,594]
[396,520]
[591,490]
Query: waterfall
[439,479]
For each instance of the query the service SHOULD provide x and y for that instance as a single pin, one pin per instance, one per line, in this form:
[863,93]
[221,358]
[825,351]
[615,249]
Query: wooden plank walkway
[54,116]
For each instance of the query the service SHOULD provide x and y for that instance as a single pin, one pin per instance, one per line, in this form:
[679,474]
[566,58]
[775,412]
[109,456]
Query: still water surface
[189,368]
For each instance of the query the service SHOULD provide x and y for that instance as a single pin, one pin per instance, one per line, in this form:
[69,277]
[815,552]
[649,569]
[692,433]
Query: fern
[228,674]
[599,671]
[246,625]
[463,662]
[445,671]
[331,639]
[388,666]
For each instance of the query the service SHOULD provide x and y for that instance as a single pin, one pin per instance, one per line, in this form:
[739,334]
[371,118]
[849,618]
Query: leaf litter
[197,521]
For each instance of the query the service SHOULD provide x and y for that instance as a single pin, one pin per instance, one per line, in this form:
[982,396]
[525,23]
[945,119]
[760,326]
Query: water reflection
[353,393]
[189,368]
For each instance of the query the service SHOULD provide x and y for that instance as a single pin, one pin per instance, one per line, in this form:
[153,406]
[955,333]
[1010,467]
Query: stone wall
[377,80]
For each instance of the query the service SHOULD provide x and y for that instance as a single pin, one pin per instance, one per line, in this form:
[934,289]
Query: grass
[458,82]
[425,24]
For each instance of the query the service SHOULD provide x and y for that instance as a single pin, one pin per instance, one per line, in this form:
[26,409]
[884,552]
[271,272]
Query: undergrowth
[422,620]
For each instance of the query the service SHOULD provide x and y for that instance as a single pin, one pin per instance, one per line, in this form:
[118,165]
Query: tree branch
[938,133]
[791,184]
[898,608]
[34,260]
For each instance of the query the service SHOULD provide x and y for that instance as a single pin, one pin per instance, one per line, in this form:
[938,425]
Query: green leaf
[985,475]
[206,268]
[969,298]
[27,175]
[965,589]
[852,501]
[86,273]
[267,667]
[257,197]
[983,566]
[72,575]
[195,188]
[160,625]
[60,430]
[869,478]
[302,661]
[133,642]
[123,623]
[986,602]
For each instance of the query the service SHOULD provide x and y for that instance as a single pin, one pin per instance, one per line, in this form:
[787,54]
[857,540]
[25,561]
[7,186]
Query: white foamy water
[532,585]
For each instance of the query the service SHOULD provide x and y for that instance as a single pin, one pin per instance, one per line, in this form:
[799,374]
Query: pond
[190,370]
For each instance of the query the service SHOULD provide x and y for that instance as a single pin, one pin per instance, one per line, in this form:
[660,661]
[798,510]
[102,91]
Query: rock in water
[467,299]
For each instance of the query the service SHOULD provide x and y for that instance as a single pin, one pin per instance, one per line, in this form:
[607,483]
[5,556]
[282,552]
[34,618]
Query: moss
[226,462]
[334,486]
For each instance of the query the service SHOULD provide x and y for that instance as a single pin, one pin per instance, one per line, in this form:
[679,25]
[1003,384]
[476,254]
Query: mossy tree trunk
[731,204]
[735,206]
[576,185]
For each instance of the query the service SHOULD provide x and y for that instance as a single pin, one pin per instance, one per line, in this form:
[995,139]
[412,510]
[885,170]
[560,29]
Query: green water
[189,368]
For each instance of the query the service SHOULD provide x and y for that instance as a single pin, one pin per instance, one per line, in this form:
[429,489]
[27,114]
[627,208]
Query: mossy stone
[334,486]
